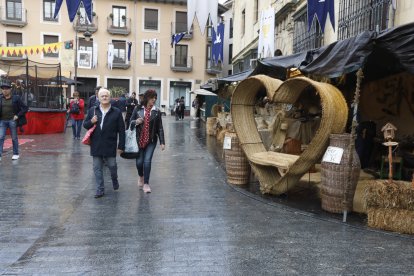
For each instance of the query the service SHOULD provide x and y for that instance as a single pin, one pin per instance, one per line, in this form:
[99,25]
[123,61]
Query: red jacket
[81,114]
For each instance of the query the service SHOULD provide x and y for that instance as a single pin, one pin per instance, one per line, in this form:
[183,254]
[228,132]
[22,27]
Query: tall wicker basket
[336,195]
[237,165]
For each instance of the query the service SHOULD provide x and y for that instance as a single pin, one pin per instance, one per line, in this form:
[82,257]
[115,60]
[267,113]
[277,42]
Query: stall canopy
[381,54]
[203,92]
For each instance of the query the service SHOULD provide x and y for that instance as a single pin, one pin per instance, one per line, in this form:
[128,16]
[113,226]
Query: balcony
[120,63]
[181,28]
[13,17]
[214,69]
[181,65]
[82,24]
[119,27]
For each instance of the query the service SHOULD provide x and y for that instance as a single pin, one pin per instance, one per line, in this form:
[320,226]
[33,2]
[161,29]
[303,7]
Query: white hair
[104,90]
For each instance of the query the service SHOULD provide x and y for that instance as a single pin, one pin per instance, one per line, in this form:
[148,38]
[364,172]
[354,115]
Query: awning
[203,92]
[236,77]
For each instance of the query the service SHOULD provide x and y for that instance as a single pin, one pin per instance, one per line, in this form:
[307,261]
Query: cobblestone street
[193,222]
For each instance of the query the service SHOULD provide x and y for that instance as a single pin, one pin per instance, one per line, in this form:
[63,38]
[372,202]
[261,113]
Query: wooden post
[390,164]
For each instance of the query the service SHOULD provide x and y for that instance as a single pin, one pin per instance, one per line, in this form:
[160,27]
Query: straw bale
[391,219]
[220,135]
[394,195]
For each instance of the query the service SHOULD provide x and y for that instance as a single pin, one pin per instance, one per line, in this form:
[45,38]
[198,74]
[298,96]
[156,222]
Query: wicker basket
[337,194]
[211,126]
[237,165]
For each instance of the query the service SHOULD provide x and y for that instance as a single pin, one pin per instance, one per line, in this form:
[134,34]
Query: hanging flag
[73,6]
[175,38]
[394,4]
[154,43]
[46,48]
[320,9]
[266,46]
[95,55]
[110,55]
[203,9]
[129,50]
[218,43]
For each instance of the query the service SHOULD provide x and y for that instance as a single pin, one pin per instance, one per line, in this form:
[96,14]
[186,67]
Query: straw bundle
[215,109]
[391,220]
[211,126]
[220,135]
[394,195]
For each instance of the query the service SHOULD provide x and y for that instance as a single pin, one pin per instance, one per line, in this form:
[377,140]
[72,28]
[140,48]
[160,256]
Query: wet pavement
[193,222]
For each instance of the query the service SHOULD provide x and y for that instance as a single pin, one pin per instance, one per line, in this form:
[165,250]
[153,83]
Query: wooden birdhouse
[389,131]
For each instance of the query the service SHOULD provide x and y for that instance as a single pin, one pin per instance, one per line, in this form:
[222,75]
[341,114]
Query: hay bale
[394,195]
[391,220]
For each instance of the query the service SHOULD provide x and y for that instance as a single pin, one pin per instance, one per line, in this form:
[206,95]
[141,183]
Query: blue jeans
[12,125]
[76,128]
[98,171]
[143,161]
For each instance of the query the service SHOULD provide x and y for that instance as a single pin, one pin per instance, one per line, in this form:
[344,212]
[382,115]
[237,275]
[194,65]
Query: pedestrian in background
[121,104]
[181,106]
[131,103]
[93,100]
[147,119]
[77,114]
[12,109]
[104,139]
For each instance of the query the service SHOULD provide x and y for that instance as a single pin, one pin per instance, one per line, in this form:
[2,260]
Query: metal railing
[121,29]
[181,64]
[13,17]
[304,40]
[178,27]
[83,24]
[213,68]
[358,16]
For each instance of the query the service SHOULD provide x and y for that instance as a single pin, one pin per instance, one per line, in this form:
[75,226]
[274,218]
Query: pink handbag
[86,140]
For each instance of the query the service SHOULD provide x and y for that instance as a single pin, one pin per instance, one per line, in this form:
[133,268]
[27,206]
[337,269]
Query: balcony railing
[83,24]
[358,16]
[13,17]
[120,63]
[181,64]
[181,28]
[120,28]
[214,69]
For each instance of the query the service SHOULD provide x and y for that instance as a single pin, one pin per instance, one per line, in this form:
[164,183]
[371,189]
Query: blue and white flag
[320,9]
[129,50]
[73,6]
[218,43]
[175,38]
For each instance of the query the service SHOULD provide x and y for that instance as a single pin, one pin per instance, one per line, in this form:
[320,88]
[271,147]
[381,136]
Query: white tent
[203,92]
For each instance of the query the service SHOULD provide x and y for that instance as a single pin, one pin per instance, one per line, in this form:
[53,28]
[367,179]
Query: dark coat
[156,128]
[19,108]
[103,141]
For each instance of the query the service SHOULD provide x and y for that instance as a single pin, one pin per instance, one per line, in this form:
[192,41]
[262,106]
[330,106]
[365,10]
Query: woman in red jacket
[77,114]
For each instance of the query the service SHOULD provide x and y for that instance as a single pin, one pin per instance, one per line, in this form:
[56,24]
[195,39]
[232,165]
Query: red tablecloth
[45,122]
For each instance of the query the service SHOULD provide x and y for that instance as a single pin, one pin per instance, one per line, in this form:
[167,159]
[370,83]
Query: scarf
[144,137]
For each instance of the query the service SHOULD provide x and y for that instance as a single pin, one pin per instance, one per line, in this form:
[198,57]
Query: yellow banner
[30,50]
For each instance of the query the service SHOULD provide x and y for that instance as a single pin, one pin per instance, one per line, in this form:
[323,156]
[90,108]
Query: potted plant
[123,17]
[111,15]
[93,13]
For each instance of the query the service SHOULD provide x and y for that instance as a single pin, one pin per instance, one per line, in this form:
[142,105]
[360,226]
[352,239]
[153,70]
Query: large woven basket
[337,193]
[237,165]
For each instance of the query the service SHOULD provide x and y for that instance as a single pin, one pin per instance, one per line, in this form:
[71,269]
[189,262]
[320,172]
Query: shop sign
[333,155]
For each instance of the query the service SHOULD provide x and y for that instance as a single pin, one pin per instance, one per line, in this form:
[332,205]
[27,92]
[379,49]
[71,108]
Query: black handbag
[21,121]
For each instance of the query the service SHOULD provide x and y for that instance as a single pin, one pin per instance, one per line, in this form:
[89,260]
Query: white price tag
[333,155]
[227,142]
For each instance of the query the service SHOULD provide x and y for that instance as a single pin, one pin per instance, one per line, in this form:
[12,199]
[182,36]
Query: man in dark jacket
[109,125]
[132,102]
[93,100]
[12,115]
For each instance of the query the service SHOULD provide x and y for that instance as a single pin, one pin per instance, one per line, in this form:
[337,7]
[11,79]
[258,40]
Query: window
[208,56]
[302,39]
[230,52]
[118,17]
[256,11]
[180,22]
[150,54]
[119,51]
[14,39]
[151,19]
[181,55]
[14,10]
[231,28]
[358,16]
[49,10]
[50,39]
[243,22]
